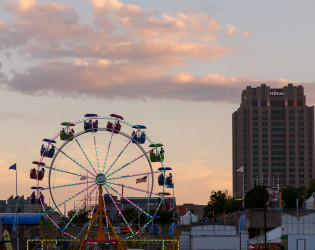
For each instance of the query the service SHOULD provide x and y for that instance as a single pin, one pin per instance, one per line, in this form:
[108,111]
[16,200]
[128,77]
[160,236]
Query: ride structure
[110,160]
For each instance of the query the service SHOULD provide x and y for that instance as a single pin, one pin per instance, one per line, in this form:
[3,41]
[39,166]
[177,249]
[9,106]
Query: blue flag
[13,167]
[170,186]
[14,227]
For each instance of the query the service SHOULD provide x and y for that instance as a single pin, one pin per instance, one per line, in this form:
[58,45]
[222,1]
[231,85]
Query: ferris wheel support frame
[100,232]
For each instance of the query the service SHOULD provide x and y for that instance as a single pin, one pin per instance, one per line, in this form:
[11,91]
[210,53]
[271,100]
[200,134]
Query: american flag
[144,179]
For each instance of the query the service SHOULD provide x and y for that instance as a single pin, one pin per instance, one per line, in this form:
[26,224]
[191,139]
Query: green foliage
[81,217]
[219,202]
[290,194]
[311,189]
[165,217]
[256,197]
[132,216]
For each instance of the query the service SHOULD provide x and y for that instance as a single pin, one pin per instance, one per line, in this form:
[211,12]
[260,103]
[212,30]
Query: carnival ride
[107,161]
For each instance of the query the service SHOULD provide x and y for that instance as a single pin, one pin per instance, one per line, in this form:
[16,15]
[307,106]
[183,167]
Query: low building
[298,232]
[218,237]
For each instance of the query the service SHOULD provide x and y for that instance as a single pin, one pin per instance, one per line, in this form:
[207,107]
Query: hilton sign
[276,92]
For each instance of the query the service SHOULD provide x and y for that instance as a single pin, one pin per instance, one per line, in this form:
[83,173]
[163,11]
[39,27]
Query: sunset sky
[177,66]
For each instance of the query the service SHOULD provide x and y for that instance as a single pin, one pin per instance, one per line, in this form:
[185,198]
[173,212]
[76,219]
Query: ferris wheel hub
[100,179]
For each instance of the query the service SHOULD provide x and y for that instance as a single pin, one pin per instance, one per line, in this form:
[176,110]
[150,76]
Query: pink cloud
[52,30]
[230,30]
[134,48]
[106,79]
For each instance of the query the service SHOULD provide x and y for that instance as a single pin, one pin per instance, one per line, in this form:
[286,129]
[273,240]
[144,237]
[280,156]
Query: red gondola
[116,116]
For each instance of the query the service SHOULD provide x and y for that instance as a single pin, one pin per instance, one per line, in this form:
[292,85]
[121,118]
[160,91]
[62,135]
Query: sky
[177,66]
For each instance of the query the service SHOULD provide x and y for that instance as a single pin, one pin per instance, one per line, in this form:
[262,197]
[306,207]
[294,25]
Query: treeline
[221,202]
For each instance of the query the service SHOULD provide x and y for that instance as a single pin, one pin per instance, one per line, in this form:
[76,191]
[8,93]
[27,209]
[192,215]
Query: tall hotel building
[273,138]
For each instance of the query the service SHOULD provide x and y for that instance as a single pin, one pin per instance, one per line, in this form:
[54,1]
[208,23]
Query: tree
[165,217]
[290,194]
[256,197]
[81,217]
[219,202]
[233,205]
[311,189]
[132,216]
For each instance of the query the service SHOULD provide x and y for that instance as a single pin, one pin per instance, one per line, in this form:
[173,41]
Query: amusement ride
[102,165]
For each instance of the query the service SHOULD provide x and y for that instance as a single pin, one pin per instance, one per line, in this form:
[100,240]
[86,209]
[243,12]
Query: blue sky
[177,66]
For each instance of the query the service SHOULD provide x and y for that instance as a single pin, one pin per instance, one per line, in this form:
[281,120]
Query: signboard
[276,92]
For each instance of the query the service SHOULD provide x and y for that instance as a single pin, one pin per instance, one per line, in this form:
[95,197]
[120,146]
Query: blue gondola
[90,126]
[90,115]
[169,180]
[48,151]
[161,179]
[49,140]
[138,137]
[139,126]
[165,168]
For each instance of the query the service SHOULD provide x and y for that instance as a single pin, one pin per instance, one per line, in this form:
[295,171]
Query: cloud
[230,30]
[105,79]
[118,31]
[124,51]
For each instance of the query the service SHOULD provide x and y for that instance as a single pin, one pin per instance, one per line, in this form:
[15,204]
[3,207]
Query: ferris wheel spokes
[85,200]
[110,142]
[137,189]
[133,175]
[68,185]
[118,210]
[120,153]
[59,150]
[91,216]
[64,171]
[125,198]
[132,161]
[98,164]
[85,155]
[74,196]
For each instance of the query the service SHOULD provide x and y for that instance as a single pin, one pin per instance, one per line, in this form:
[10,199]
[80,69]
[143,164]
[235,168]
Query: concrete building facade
[273,138]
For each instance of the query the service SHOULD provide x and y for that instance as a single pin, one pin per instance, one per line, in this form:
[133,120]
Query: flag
[144,179]
[223,217]
[13,167]
[14,227]
[170,186]
[241,169]
[280,200]
[297,206]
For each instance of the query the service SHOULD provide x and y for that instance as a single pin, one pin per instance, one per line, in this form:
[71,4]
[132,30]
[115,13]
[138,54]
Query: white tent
[273,236]
[309,203]
[188,218]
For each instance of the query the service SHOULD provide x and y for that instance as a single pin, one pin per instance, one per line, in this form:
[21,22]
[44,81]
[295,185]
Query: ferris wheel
[103,165]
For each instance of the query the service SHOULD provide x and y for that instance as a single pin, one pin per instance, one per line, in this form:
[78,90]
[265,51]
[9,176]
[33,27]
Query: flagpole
[17,210]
